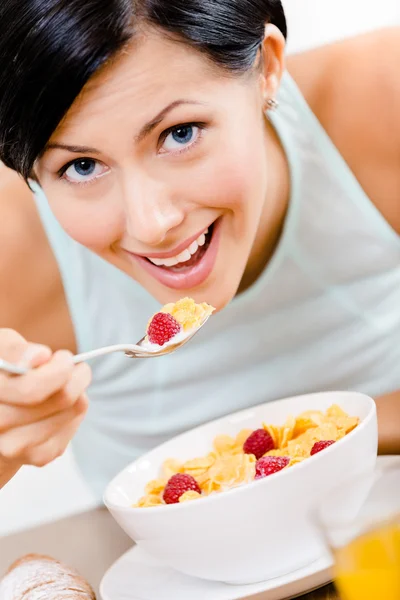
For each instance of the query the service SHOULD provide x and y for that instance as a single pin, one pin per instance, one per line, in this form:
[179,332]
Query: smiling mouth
[191,267]
[187,259]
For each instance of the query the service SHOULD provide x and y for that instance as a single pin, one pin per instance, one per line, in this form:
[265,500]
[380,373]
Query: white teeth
[157,261]
[170,262]
[183,256]
[193,247]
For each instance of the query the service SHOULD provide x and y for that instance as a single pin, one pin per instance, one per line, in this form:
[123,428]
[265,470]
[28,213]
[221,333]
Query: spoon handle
[131,350]
[12,369]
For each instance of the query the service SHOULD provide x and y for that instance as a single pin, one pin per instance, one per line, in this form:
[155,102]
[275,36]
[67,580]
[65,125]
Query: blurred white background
[315,22]
[37,495]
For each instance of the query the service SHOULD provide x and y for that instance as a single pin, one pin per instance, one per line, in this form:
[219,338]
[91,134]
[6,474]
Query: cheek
[93,223]
[235,180]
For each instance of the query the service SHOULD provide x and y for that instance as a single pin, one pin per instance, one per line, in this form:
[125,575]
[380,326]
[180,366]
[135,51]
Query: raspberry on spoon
[163,327]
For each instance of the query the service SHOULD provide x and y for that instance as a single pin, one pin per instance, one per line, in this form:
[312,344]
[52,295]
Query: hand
[40,411]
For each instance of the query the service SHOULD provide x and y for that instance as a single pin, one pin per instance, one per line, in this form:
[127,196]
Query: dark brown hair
[49,49]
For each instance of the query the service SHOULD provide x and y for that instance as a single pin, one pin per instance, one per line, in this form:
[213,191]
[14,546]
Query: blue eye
[84,167]
[84,170]
[181,136]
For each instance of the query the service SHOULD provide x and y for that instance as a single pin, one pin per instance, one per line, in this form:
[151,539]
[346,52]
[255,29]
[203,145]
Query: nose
[151,211]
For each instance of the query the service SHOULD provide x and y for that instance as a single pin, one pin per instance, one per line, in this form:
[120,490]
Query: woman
[163,167]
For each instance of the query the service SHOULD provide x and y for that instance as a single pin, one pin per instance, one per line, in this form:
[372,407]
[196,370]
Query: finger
[35,355]
[38,384]
[45,453]
[17,443]
[12,416]
[12,345]
[14,348]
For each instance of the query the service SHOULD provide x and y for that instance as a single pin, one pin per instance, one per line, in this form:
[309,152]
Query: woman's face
[162,167]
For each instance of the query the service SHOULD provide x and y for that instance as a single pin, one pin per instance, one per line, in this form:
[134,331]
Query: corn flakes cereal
[198,466]
[229,471]
[302,445]
[228,466]
[171,467]
[277,452]
[154,487]
[189,314]
[302,424]
[189,495]
[336,415]
[224,444]
[287,432]
[242,437]
[297,459]
[275,432]
[149,500]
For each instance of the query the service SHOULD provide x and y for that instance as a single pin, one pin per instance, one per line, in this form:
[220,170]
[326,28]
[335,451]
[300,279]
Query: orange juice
[368,568]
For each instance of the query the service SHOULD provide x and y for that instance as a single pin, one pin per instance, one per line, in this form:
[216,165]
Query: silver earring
[272,104]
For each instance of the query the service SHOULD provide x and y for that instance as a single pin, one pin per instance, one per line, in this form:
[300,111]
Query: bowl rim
[241,487]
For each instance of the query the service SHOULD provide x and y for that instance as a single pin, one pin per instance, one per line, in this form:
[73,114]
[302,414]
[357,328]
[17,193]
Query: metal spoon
[131,350]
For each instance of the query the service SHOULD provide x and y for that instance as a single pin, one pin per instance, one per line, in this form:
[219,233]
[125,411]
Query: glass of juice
[361,524]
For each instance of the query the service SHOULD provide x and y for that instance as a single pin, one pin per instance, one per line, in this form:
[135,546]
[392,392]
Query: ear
[273,62]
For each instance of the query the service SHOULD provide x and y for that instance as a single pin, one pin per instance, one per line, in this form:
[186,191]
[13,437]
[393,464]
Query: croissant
[36,577]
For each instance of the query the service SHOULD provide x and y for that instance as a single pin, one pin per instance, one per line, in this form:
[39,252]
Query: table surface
[65,541]
[70,541]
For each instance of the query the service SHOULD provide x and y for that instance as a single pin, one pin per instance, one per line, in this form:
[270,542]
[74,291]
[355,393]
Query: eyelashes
[184,135]
[173,141]
[82,171]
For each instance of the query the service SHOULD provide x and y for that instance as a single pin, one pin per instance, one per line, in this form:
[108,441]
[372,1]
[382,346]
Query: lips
[184,257]
[190,273]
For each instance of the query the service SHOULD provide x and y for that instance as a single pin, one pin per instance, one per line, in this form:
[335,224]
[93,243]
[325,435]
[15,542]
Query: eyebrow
[144,132]
[74,149]
[148,128]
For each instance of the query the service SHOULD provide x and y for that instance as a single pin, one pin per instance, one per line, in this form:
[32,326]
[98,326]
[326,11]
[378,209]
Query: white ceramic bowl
[259,530]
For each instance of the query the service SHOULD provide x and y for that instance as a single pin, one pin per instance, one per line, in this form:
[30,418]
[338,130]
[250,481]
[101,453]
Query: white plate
[137,576]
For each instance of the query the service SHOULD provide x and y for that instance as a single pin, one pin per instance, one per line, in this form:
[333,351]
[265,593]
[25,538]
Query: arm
[388,409]
[374,116]
[353,88]
[34,304]
[7,472]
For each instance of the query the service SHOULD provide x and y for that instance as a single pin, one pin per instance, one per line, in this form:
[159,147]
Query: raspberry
[258,443]
[318,446]
[177,485]
[267,465]
[162,328]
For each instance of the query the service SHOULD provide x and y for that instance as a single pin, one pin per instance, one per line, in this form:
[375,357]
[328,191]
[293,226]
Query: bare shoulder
[356,79]
[353,87]
[32,299]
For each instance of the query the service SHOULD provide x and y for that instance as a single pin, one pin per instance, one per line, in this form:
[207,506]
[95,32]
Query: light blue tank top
[325,314]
